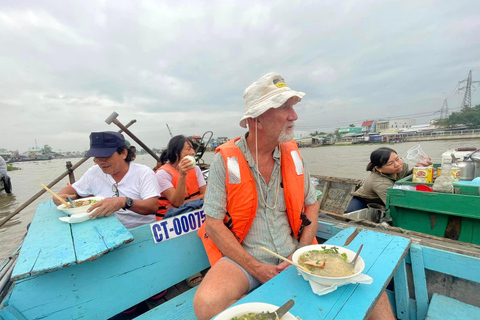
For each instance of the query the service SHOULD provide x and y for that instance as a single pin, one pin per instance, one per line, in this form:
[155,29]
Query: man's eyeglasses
[398,159]
[115,190]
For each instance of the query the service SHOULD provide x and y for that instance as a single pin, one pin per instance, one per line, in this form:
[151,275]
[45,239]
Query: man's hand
[265,272]
[106,207]
[64,197]
[284,264]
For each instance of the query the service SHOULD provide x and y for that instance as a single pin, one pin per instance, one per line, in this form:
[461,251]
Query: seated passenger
[130,189]
[386,167]
[178,183]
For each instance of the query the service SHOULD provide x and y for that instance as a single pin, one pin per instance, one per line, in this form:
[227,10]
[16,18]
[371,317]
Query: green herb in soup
[327,262]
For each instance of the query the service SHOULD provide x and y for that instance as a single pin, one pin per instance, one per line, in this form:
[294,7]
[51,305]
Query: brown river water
[346,161]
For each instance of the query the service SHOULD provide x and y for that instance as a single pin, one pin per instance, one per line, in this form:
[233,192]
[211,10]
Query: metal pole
[113,118]
[51,184]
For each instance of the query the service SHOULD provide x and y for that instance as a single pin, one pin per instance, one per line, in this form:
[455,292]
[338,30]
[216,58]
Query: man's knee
[201,306]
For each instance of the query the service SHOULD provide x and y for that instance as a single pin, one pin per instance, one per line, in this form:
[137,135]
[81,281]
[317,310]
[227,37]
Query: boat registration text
[173,227]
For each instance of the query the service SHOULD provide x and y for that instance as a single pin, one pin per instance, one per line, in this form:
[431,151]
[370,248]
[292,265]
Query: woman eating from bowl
[385,167]
[180,180]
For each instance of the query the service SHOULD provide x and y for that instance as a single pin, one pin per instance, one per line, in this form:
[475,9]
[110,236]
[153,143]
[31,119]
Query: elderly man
[259,195]
[130,189]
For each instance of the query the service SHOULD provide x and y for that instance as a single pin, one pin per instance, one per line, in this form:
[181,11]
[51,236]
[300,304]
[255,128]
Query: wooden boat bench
[382,253]
[442,308]
[424,258]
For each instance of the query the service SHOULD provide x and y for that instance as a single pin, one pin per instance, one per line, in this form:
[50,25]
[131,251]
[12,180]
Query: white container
[82,209]
[460,155]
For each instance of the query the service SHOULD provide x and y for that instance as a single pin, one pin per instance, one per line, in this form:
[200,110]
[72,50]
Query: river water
[347,161]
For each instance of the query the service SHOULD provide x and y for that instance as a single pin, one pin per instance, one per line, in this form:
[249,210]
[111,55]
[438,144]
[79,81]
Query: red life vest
[191,183]
[242,193]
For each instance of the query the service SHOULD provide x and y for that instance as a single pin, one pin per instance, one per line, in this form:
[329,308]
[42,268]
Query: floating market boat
[98,268]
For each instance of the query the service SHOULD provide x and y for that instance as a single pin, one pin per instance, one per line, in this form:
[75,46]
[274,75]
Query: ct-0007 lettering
[173,227]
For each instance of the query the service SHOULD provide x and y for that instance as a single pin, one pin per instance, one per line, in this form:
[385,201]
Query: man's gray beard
[284,136]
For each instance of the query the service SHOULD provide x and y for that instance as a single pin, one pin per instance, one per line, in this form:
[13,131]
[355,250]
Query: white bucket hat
[268,92]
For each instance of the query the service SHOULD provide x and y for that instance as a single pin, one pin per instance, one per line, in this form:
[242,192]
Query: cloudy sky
[67,65]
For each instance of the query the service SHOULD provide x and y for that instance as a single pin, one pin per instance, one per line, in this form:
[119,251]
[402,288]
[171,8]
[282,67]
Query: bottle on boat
[444,182]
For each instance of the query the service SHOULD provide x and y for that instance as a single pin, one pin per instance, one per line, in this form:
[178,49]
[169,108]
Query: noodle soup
[326,263]
[329,280]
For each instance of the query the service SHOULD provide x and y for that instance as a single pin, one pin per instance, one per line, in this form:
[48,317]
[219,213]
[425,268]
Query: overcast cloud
[67,65]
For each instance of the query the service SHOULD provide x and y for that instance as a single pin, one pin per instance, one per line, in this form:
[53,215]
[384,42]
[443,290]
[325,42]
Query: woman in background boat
[179,184]
[385,167]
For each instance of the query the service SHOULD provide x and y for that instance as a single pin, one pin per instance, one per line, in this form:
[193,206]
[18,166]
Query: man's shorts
[252,282]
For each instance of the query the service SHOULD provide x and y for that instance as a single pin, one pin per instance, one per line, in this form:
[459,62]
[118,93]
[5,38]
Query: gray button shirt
[270,228]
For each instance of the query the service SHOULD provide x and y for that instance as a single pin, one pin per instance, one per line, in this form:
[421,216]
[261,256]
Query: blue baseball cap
[104,144]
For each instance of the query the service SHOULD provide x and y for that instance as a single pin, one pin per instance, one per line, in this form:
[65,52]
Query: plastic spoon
[71,202]
[356,256]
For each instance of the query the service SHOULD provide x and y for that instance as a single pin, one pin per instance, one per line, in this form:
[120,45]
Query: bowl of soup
[328,264]
[82,205]
[247,311]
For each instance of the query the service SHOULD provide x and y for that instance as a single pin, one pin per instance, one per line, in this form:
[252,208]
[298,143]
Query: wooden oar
[55,195]
[285,259]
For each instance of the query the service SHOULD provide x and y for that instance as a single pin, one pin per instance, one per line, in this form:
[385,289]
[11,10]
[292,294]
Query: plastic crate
[436,213]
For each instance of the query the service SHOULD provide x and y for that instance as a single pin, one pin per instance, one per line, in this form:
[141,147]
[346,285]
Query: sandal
[159,295]
[194,280]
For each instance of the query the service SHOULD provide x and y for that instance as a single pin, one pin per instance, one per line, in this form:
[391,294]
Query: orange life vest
[242,193]
[191,190]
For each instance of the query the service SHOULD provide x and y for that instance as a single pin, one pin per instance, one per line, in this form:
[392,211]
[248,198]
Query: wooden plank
[401,292]
[382,256]
[119,279]
[455,264]
[40,252]
[419,280]
[94,238]
[179,308]
[442,307]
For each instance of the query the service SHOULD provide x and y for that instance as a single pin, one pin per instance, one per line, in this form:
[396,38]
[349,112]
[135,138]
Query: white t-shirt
[165,179]
[139,183]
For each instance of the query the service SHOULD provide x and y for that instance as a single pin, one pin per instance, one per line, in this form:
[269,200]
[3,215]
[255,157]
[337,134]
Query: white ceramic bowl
[77,210]
[328,281]
[244,308]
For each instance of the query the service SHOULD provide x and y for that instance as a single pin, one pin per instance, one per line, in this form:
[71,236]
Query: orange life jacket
[191,190]
[242,193]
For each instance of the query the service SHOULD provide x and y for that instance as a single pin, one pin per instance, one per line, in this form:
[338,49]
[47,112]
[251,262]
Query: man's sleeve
[215,204]
[83,186]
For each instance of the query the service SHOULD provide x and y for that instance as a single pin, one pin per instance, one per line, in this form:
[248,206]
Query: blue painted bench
[445,308]
[91,270]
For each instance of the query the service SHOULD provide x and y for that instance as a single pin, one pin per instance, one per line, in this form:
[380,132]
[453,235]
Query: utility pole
[444,110]
[467,98]
[169,131]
